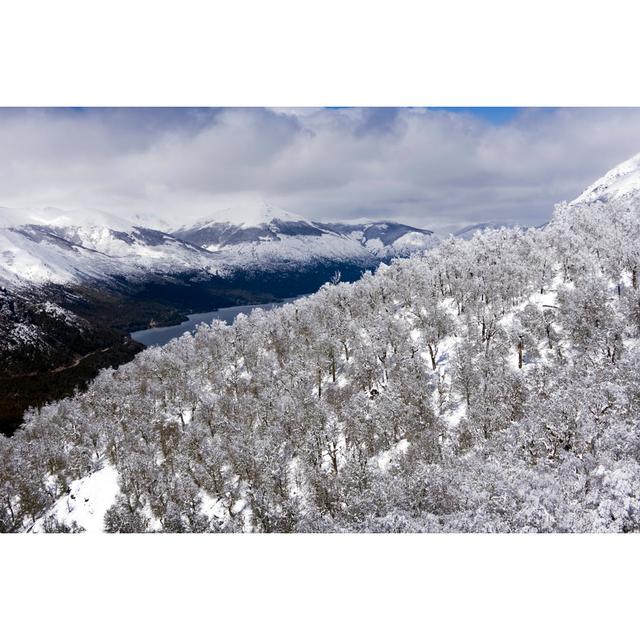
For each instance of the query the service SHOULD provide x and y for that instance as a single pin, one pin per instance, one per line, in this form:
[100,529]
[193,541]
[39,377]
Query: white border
[304,586]
[334,52]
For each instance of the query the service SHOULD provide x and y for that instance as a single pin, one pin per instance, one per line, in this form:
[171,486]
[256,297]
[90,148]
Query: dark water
[161,335]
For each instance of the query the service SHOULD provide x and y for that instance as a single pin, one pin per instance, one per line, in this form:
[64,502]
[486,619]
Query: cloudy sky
[435,168]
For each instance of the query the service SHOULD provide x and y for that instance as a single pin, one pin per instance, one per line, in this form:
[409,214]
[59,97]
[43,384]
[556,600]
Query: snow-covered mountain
[262,234]
[621,184]
[623,181]
[40,246]
[71,247]
[385,238]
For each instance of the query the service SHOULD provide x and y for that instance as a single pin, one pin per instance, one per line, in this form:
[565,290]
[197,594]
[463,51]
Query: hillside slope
[623,181]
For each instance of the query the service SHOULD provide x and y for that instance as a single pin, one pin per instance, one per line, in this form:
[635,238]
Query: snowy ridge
[27,260]
[385,238]
[35,254]
[621,181]
[39,246]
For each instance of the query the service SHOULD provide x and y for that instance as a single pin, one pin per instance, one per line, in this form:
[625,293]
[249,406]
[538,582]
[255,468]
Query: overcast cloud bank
[435,169]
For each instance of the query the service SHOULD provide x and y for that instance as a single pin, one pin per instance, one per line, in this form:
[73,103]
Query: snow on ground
[385,458]
[86,502]
[454,416]
[213,507]
[22,259]
[297,248]
[23,333]
[56,311]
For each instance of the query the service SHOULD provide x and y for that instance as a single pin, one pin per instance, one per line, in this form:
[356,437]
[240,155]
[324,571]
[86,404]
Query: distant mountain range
[72,247]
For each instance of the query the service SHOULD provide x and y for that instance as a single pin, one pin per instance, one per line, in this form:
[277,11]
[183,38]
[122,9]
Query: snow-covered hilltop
[37,254]
[41,246]
[622,181]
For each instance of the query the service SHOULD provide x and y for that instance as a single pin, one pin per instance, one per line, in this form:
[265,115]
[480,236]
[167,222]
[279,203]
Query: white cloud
[436,169]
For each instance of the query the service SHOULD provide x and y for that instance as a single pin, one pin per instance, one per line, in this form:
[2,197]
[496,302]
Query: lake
[157,336]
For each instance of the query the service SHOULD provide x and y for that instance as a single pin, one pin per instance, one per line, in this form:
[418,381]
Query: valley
[99,326]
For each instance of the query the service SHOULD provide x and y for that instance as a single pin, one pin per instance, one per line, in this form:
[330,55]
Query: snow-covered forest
[490,385]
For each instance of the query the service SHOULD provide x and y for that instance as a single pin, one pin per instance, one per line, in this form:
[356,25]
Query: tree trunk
[13,517]
[334,456]
[433,356]
[520,352]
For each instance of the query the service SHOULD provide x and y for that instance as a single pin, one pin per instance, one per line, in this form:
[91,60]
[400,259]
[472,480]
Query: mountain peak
[251,214]
[622,180]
